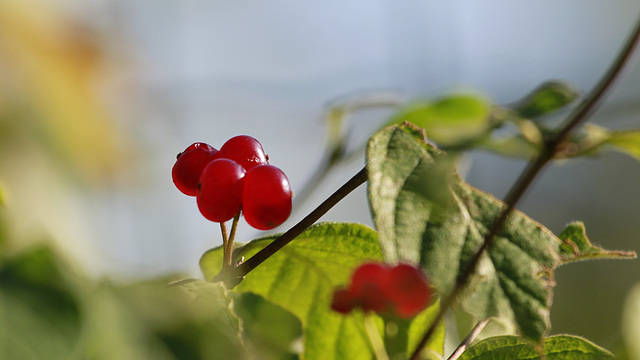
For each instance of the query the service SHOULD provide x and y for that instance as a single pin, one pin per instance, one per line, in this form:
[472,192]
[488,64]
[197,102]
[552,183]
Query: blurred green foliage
[50,312]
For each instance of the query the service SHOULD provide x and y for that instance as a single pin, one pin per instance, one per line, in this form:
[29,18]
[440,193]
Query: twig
[377,344]
[552,144]
[232,275]
[228,244]
[225,241]
[469,339]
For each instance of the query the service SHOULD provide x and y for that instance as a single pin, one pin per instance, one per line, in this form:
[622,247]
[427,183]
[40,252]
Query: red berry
[373,297]
[367,274]
[369,284]
[401,290]
[245,150]
[189,165]
[342,301]
[220,195]
[266,202]
[408,290]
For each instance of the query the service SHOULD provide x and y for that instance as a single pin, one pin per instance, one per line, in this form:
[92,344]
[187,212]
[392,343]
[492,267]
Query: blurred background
[97,97]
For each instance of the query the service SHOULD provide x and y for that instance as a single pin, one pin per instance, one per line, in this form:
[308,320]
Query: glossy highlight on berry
[218,180]
[245,150]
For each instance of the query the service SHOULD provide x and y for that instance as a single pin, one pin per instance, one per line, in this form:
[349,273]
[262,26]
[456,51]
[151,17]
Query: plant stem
[377,344]
[225,242]
[225,236]
[241,270]
[228,245]
[469,339]
[552,144]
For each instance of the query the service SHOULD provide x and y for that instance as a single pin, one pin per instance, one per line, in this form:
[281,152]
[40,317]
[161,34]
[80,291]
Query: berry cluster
[235,178]
[400,290]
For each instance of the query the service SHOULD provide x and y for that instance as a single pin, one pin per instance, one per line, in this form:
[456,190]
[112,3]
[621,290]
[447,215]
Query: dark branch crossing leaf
[513,280]
[301,278]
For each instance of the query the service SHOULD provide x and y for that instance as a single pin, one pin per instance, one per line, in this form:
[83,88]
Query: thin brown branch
[552,144]
[473,334]
[233,276]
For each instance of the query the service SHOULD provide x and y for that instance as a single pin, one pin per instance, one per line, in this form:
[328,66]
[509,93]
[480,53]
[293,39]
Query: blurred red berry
[368,274]
[369,286]
[401,290]
[373,297]
[342,301]
[409,290]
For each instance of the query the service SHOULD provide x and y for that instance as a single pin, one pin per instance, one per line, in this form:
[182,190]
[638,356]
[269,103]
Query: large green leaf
[301,278]
[561,347]
[450,120]
[50,311]
[513,280]
[147,320]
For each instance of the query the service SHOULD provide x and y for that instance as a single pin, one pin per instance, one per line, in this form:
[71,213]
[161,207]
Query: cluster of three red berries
[235,178]
[401,290]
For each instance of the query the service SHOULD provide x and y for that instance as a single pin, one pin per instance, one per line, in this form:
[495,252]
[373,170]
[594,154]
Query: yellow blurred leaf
[59,65]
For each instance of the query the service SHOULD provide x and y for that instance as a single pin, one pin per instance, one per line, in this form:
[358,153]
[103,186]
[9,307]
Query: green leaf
[627,141]
[39,310]
[49,311]
[593,139]
[301,279]
[214,298]
[399,158]
[576,246]
[451,120]
[418,326]
[513,280]
[258,319]
[561,347]
[546,98]
[512,146]
[590,140]
[631,325]
[147,320]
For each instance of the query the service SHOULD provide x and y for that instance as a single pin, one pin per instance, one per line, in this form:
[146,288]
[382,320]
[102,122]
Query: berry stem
[228,247]
[234,275]
[374,338]
[551,146]
[225,236]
